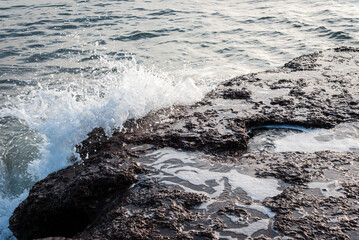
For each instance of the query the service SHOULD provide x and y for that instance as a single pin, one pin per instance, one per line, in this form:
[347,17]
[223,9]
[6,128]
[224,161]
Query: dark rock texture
[67,201]
[94,200]
[303,215]
[301,168]
[151,211]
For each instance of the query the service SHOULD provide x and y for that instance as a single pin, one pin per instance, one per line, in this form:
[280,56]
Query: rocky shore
[110,193]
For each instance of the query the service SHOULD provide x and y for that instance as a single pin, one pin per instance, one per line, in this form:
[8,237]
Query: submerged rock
[94,200]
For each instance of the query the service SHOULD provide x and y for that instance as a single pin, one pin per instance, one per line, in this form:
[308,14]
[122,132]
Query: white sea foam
[7,206]
[64,115]
[342,138]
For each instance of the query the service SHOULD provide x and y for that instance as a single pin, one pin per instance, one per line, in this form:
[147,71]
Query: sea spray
[7,206]
[62,116]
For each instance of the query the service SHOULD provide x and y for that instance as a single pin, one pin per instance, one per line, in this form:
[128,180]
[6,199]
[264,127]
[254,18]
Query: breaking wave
[59,117]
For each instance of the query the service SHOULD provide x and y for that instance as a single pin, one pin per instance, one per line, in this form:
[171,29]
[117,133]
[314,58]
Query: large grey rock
[93,200]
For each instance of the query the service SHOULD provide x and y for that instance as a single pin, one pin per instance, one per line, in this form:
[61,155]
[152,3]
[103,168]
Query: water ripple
[137,36]
[22,34]
[163,12]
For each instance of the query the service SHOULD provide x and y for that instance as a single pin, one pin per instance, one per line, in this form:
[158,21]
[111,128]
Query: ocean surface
[67,67]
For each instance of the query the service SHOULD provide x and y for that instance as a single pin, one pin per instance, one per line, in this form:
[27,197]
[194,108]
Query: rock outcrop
[69,200]
[93,199]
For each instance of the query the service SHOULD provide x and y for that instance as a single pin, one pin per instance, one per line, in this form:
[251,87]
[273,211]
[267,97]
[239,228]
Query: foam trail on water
[64,115]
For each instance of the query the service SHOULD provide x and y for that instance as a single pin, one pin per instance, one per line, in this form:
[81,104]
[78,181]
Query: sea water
[67,67]
[223,184]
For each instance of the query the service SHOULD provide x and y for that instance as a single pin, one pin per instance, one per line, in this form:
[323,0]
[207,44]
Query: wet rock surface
[303,215]
[101,197]
[300,168]
[67,201]
[152,211]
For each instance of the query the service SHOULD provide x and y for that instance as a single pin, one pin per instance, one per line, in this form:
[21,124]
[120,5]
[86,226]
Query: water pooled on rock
[225,184]
[285,138]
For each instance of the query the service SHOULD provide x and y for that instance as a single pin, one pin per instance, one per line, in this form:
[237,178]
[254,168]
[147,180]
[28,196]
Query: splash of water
[63,115]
